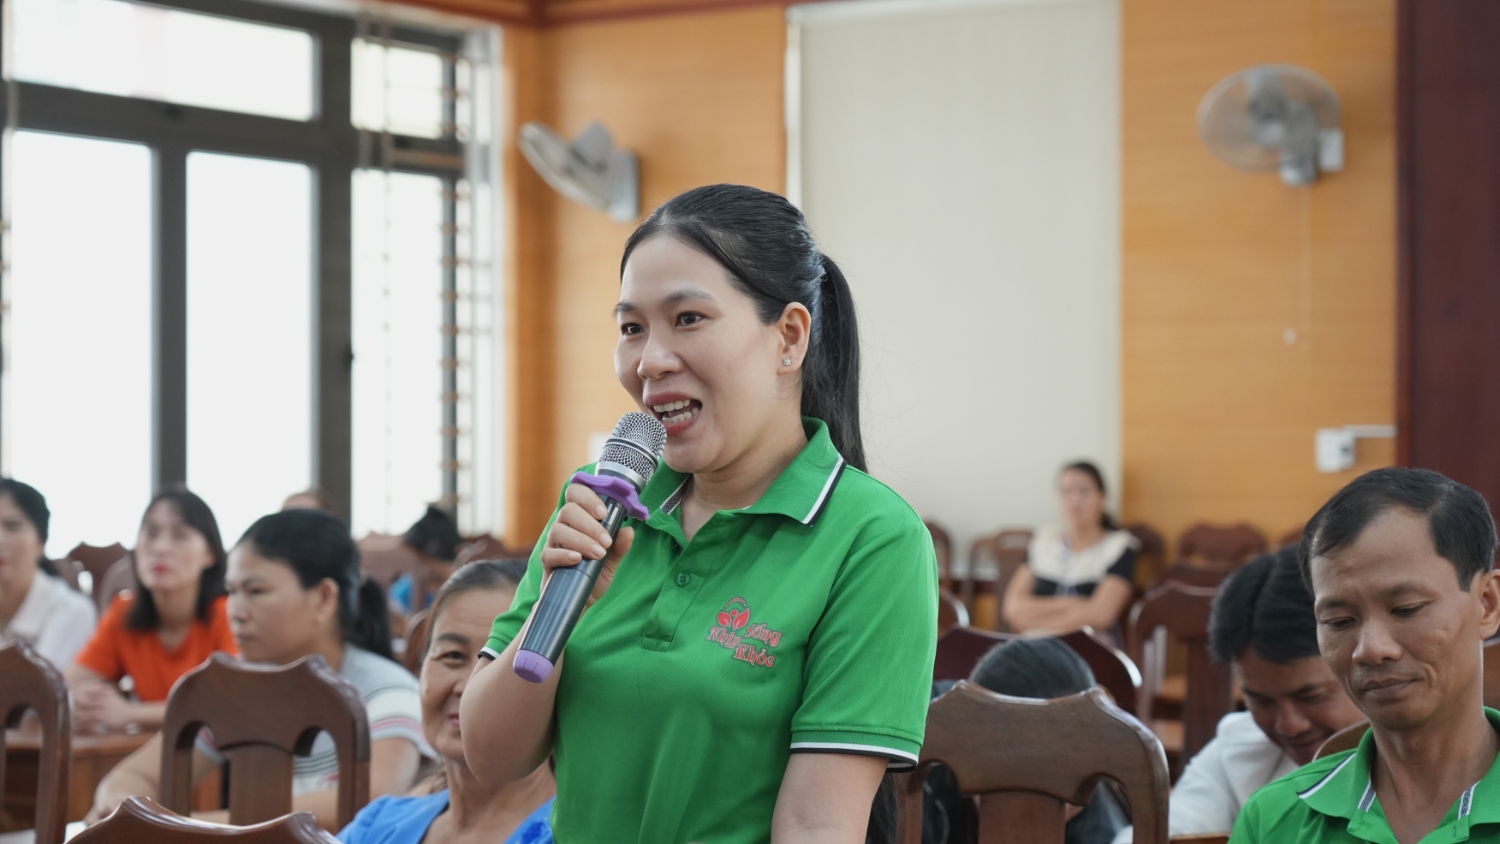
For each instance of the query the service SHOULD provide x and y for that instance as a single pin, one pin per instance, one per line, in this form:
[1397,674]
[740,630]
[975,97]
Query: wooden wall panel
[699,99]
[1219,409]
[1450,228]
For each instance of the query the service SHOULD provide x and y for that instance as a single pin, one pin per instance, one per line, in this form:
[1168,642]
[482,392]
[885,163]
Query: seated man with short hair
[1401,565]
[1262,623]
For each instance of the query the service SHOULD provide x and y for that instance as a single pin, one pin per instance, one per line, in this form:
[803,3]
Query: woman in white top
[1079,575]
[36,606]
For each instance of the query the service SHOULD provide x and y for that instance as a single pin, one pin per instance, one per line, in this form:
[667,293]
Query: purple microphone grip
[619,489]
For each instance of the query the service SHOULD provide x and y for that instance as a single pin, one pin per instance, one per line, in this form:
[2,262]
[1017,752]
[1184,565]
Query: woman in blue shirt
[459,805]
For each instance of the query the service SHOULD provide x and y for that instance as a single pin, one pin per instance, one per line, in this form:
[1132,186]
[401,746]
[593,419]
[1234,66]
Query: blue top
[405,820]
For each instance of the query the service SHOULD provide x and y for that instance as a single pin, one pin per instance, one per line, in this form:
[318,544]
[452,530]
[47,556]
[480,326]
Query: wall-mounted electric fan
[589,170]
[1274,117]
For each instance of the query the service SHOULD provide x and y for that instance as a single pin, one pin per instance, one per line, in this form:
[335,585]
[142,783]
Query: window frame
[333,148]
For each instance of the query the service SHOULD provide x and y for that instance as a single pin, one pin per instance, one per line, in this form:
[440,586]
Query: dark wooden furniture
[1026,759]
[1152,557]
[120,577]
[416,640]
[230,698]
[1448,258]
[1113,670]
[1183,611]
[993,561]
[961,648]
[1191,575]
[96,560]
[1346,739]
[384,558]
[951,612]
[1220,546]
[1290,539]
[942,546]
[141,821]
[30,683]
[93,756]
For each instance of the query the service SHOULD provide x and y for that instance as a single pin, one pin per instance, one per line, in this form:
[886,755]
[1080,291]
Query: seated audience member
[294,590]
[1401,565]
[436,540]
[1034,668]
[36,606]
[1079,575]
[315,498]
[460,806]
[170,621]
[1263,624]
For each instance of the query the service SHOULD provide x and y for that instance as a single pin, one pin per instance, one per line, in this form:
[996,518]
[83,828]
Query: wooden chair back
[1026,759]
[993,561]
[961,648]
[1190,575]
[1113,670]
[1290,539]
[230,698]
[96,560]
[942,545]
[1221,546]
[483,547]
[1183,611]
[30,682]
[416,640]
[119,578]
[951,612]
[139,820]
[1152,558]
[384,558]
[1346,739]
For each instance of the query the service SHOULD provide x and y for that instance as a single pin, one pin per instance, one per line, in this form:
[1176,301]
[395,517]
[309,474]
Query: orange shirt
[116,650]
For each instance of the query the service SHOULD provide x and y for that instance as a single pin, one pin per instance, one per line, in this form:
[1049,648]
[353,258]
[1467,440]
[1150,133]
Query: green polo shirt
[806,622]
[1333,800]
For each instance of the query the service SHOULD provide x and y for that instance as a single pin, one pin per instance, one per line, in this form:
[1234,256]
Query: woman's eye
[689,319]
[630,329]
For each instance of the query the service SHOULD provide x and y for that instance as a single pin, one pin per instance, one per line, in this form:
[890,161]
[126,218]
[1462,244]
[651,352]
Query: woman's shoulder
[69,602]
[119,610]
[373,674]
[395,819]
[859,492]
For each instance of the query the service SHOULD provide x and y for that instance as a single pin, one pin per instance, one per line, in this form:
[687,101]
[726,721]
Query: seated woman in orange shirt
[169,623]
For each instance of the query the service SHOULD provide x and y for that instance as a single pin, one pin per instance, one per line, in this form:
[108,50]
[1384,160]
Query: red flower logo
[735,615]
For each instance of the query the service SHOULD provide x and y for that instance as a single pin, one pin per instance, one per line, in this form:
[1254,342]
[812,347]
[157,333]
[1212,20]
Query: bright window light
[135,50]
[398,378]
[78,334]
[249,349]
[397,89]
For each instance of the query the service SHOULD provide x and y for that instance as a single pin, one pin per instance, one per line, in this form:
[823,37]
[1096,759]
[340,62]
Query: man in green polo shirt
[1401,565]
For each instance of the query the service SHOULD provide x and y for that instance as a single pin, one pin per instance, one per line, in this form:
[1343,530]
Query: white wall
[961,163]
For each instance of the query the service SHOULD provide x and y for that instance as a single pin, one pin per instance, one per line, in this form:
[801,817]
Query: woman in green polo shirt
[758,652]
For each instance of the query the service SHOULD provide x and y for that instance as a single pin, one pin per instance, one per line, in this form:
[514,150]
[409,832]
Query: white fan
[590,170]
[1274,117]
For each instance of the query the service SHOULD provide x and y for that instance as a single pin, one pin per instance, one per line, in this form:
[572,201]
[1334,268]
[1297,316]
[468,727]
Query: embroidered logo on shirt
[733,628]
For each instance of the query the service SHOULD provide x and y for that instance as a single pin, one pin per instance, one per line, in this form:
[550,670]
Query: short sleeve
[1203,801]
[869,660]
[508,624]
[1125,566]
[397,713]
[361,830]
[103,655]
[68,630]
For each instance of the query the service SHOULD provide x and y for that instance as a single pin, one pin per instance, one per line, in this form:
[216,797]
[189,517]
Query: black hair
[197,515]
[1264,605]
[1035,668]
[434,535]
[480,574]
[1088,468]
[1458,518]
[317,547]
[33,505]
[762,240]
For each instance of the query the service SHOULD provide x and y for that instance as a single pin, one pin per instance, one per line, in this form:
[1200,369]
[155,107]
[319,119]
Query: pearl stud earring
[786,361]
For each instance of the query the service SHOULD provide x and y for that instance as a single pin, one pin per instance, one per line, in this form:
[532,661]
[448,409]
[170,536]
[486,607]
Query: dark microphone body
[625,465]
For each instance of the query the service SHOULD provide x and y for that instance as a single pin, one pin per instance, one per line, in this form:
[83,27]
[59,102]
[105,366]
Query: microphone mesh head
[635,444]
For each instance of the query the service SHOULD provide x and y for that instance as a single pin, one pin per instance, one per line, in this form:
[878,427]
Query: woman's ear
[794,330]
[326,599]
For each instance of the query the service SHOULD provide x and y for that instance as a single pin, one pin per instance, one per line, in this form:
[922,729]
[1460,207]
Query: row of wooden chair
[228,698]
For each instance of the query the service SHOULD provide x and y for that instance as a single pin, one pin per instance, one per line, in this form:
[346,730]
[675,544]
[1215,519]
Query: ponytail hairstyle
[762,240]
[196,514]
[33,505]
[1105,520]
[317,547]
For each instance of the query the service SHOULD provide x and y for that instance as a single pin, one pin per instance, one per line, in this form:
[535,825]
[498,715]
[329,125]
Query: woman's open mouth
[675,414]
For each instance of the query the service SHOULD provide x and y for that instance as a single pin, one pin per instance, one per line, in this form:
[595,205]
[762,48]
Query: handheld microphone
[626,464]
